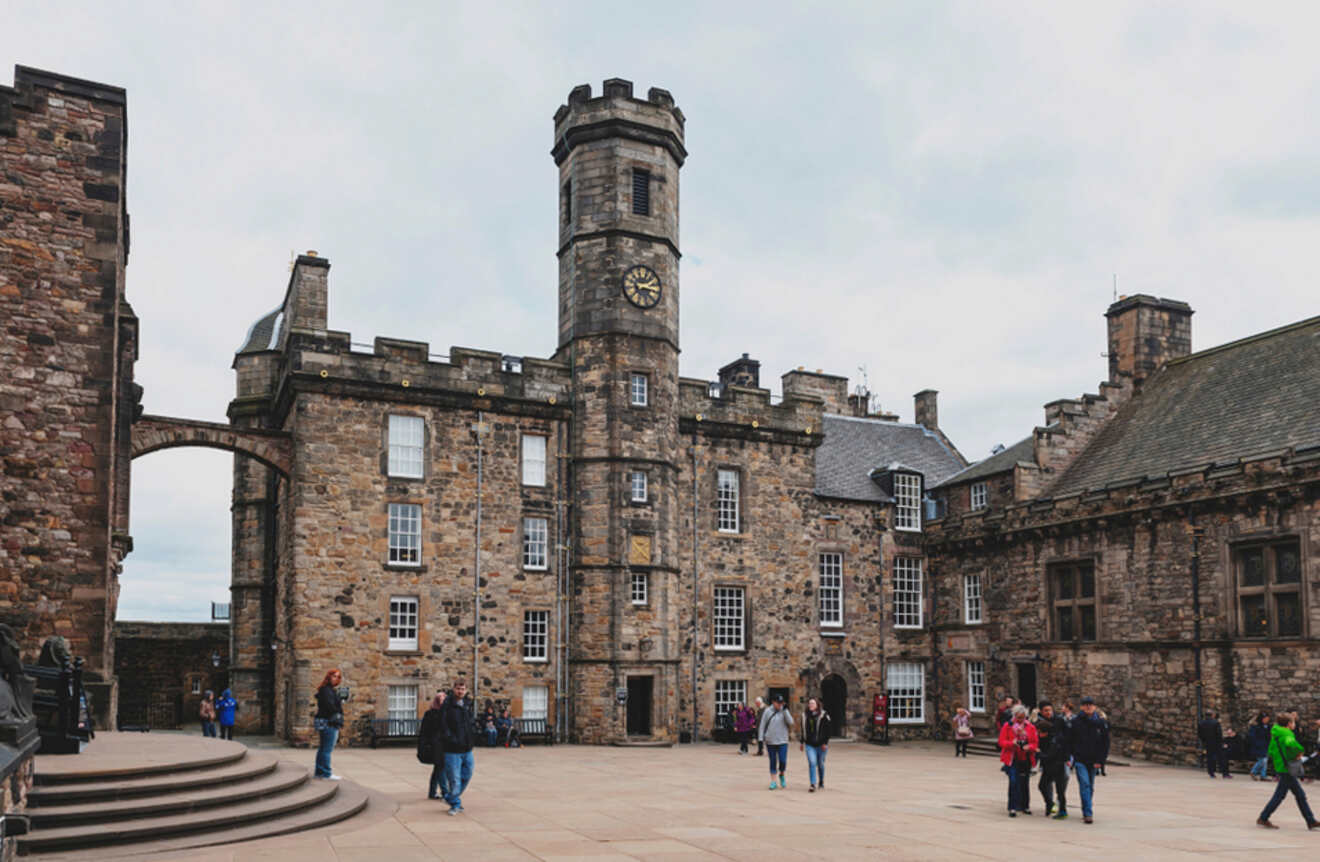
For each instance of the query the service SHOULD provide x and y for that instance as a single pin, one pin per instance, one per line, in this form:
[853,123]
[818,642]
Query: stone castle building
[597,540]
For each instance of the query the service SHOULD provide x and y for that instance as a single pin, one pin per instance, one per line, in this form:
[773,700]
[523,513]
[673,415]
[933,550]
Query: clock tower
[619,159]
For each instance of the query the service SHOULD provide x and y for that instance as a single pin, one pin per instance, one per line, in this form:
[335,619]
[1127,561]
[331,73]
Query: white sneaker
[334,778]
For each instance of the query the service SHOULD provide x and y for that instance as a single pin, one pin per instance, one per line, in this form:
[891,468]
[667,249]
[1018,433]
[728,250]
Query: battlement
[728,408]
[616,113]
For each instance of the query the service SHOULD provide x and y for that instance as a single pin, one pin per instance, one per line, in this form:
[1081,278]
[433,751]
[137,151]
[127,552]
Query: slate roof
[1022,450]
[853,447]
[1249,397]
[264,334]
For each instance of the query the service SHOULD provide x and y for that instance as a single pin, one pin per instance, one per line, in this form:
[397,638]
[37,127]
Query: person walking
[775,730]
[1286,754]
[1258,746]
[815,742]
[1018,744]
[431,745]
[225,708]
[744,723]
[962,730]
[1053,757]
[760,713]
[457,722]
[1088,748]
[1211,736]
[207,713]
[329,719]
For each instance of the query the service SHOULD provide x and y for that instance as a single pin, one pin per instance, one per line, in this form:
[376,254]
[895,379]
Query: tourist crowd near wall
[595,540]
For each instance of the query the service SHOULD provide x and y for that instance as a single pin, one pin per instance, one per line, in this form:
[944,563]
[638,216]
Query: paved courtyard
[912,801]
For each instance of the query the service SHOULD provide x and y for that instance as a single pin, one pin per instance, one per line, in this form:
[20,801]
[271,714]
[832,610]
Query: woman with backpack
[431,746]
[1286,755]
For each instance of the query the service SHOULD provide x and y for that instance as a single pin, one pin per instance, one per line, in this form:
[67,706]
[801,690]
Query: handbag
[426,751]
[1296,768]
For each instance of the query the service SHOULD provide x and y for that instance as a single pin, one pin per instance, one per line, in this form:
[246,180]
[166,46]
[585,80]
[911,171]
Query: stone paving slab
[911,801]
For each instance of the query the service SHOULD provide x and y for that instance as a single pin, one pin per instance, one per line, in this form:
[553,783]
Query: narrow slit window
[641,197]
[568,202]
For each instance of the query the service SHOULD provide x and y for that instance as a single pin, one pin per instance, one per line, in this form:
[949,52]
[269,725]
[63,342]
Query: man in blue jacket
[456,725]
[1088,742]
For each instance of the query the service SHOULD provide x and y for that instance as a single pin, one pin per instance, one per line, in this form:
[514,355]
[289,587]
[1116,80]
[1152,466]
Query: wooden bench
[394,728]
[536,728]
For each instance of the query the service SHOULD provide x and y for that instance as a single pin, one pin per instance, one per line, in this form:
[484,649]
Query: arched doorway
[834,698]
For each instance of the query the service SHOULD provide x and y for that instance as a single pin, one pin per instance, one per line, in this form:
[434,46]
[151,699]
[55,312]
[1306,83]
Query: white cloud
[939,192]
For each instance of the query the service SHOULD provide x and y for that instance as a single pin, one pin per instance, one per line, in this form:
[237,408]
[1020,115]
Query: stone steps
[174,793]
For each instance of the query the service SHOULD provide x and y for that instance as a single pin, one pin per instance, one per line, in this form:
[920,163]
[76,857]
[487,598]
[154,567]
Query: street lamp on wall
[215,658]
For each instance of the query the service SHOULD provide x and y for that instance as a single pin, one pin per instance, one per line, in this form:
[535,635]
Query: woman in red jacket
[1018,744]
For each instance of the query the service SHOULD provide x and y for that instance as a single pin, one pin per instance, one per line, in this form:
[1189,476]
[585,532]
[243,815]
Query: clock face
[642,286]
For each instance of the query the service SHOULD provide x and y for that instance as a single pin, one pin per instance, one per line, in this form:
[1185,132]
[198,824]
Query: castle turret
[619,159]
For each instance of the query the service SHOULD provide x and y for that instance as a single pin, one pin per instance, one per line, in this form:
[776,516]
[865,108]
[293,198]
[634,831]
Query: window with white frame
[978,496]
[729,617]
[401,704]
[728,694]
[535,701]
[831,590]
[907,502]
[406,436]
[403,622]
[533,460]
[905,683]
[976,686]
[197,685]
[907,592]
[727,501]
[972,599]
[405,521]
[536,532]
[637,486]
[536,635]
[639,588]
[637,394]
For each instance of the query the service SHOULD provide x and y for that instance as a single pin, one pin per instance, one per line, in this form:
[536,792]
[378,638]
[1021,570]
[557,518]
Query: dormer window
[907,502]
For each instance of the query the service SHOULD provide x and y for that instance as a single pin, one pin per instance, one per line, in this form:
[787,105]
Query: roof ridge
[1259,336]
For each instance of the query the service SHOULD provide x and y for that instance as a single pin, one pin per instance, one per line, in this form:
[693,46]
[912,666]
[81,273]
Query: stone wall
[15,784]
[67,349]
[160,664]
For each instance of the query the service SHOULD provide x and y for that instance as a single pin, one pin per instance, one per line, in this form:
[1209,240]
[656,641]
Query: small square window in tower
[641,188]
[637,390]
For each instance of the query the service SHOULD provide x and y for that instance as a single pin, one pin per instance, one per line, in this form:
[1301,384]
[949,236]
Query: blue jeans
[777,753]
[439,781]
[458,772]
[1019,785]
[329,736]
[1085,785]
[1258,768]
[208,728]
[1288,783]
[816,762]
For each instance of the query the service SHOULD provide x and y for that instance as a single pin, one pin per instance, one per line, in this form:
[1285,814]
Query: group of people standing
[219,713]
[1058,743]
[774,725]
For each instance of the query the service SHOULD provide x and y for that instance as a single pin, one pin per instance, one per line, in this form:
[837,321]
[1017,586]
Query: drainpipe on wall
[562,588]
[696,650]
[1197,533]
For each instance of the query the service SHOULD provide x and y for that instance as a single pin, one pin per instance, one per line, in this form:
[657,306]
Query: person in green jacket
[1284,752]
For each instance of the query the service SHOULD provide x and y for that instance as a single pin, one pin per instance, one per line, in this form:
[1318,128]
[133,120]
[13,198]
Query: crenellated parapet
[738,411]
[1070,425]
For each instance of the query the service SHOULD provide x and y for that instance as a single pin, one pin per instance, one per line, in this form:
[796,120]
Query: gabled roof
[1248,397]
[1000,462]
[853,447]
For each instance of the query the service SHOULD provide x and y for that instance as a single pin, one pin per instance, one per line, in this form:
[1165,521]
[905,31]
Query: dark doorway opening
[834,700]
[782,691]
[639,705]
[1026,674]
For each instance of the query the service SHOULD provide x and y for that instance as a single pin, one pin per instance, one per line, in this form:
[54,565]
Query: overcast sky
[938,192]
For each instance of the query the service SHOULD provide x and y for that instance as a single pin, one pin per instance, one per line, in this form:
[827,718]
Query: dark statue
[16,689]
[54,652]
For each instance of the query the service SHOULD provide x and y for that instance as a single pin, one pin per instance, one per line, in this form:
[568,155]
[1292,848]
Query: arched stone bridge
[272,448]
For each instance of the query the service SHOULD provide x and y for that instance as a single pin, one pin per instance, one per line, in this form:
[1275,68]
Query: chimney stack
[927,412]
[306,305]
[1144,333]
[743,371]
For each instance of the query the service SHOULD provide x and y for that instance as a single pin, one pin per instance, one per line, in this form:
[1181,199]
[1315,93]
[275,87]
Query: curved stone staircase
[198,793]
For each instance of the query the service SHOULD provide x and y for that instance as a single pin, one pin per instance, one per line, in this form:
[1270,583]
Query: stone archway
[838,678]
[272,448]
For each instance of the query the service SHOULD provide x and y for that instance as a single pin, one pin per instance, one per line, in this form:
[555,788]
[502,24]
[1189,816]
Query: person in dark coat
[1212,743]
[431,744]
[744,723]
[329,719]
[457,724]
[815,742]
[1051,730]
[225,708]
[1088,745]
[1258,746]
